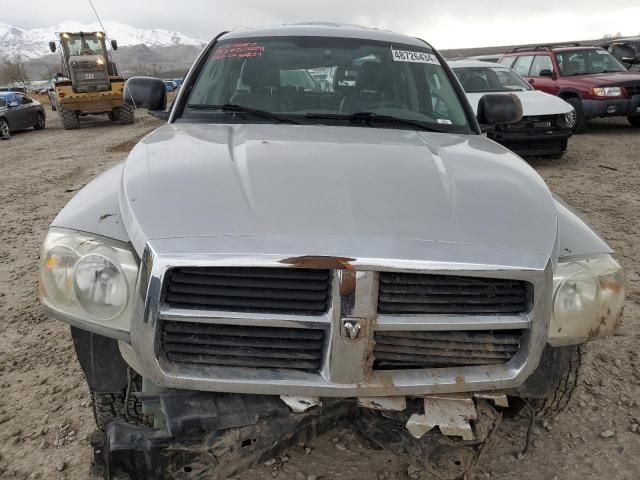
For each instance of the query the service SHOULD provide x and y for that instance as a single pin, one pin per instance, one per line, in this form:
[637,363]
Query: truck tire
[581,121]
[5,131]
[116,406]
[634,121]
[69,119]
[567,363]
[126,115]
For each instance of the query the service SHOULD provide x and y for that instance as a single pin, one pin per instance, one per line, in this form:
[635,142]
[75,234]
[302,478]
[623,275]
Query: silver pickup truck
[282,258]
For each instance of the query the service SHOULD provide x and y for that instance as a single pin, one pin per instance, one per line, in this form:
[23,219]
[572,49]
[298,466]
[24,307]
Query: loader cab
[86,62]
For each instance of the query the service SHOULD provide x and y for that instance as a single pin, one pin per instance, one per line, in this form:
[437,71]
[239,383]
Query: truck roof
[473,64]
[554,48]
[322,29]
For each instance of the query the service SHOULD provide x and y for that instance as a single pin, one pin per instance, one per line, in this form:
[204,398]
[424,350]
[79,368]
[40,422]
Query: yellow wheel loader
[89,83]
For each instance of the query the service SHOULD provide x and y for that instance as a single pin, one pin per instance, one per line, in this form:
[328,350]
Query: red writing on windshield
[239,50]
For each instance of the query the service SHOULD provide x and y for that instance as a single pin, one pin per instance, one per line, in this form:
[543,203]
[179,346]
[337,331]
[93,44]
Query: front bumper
[611,107]
[214,436]
[533,142]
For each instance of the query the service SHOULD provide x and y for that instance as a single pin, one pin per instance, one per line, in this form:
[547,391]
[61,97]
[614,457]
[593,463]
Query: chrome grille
[408,350]
[411,293]
[242,346]
[250,290]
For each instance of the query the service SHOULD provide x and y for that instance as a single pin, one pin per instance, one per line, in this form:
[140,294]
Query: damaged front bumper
[207,435]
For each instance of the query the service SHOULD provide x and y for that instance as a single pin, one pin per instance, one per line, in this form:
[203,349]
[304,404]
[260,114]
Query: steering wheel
[440,107]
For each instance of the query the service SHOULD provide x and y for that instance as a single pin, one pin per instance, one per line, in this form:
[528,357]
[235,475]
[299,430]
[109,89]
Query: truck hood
[605,79]
[534,103]
[336,191]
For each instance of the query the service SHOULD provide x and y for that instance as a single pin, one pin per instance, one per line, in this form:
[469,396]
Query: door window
[523,65]
[507,61]
[541,62]
[24,100]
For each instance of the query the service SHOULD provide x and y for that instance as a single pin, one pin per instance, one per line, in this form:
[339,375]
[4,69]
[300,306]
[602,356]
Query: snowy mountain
[34,43]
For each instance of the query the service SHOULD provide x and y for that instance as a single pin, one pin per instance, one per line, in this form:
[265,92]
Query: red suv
[594,82]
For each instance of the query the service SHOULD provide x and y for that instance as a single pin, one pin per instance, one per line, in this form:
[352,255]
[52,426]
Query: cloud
[453,24]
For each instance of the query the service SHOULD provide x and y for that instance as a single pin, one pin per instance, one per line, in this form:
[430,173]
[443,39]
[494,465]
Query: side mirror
[52,47]
[546,73]
[499,109]
[146,92]
[114,45]
[13,104]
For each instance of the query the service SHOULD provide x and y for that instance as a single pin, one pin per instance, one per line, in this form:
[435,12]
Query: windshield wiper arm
[235,108]
[373,117]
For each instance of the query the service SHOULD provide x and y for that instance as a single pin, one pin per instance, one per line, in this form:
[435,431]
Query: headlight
[607,92]
[570,119]
[88,281]
[588,299]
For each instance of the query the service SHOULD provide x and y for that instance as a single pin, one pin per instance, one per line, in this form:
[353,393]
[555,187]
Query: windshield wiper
[235,108]
[373,117]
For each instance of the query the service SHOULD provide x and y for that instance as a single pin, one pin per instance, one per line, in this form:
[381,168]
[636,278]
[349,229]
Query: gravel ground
[45,411]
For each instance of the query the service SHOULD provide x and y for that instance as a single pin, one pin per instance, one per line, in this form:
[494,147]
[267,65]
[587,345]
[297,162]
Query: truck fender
[576,237]
[95,208]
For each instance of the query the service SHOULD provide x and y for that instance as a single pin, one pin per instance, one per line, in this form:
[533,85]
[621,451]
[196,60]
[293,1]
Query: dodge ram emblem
[351,328]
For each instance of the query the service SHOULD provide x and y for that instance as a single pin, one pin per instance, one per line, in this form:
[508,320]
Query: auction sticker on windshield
[413,57]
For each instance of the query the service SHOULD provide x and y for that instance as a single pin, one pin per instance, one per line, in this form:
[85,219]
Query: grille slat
[250,290]
[241,352]
[247,292]
[396,350]
[221,341]
[505,338]
[241,346]
[248,282]
[411,293]
[232,330]
[449,298]
[218,360]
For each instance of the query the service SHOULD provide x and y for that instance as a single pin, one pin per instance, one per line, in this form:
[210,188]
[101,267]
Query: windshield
[3,101]
[87,44]
[585,62]
[490,79]
[309,79]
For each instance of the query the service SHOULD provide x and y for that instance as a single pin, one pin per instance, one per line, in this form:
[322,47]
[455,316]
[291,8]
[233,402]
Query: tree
[14,71]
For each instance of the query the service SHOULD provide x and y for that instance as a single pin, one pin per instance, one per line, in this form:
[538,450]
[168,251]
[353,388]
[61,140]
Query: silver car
[277,261]
[19,111]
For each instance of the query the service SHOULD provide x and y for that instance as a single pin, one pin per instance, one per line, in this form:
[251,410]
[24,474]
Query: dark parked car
[19,111]
[13,89]
[592,80]
[627,50]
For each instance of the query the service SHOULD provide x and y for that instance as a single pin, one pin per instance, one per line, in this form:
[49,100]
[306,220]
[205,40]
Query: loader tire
[114,115]
[126,115]
[69,119]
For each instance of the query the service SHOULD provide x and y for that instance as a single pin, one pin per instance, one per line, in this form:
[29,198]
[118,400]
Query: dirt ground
[45,411]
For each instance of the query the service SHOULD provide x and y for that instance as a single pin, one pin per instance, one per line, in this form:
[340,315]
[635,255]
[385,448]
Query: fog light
[612,109]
